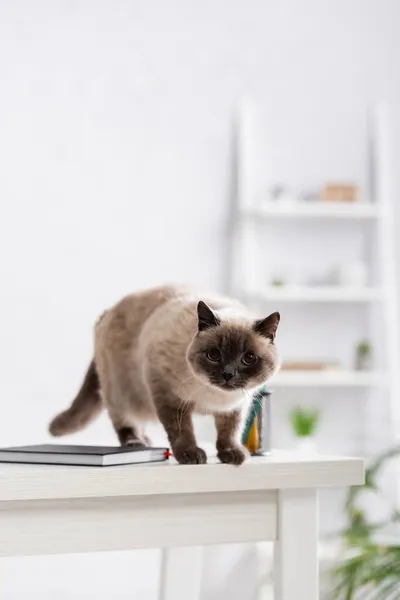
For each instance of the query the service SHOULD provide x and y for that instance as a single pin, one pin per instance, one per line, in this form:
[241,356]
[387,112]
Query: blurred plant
[370,570]
[304,420]
[363,355]
[364,348]
[278,282]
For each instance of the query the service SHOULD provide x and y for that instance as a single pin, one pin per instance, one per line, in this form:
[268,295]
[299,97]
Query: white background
[115,136]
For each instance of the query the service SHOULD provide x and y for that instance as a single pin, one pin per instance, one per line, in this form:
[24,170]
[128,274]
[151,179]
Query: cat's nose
[228,374]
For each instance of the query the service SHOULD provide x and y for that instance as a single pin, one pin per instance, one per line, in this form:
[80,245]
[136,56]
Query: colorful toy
[256,435]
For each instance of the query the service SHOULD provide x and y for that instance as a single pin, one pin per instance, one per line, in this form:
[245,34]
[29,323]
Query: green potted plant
[304,423]
[363,356]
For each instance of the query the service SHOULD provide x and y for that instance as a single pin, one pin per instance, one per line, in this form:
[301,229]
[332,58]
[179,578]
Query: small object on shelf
[364,356]
[280,193]
[339,192]
[310,365]
[304,424]
[257,433]
[278,282]
[277,192]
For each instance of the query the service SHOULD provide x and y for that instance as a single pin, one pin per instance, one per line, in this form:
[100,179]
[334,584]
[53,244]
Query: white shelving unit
[328,378]
[375,216]
[291,210]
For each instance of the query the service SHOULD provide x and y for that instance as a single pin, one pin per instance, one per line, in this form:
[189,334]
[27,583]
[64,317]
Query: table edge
[76,482]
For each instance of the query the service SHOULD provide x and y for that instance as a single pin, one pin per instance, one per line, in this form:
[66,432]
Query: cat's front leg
[178,424]
[229,449]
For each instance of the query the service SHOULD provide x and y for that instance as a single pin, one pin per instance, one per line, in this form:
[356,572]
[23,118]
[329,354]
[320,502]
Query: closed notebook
[90,456]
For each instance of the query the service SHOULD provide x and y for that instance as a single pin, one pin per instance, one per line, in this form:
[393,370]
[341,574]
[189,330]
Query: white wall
[115,121]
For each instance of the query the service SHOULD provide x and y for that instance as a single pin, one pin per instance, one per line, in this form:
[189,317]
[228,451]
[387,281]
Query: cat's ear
[268,326]
[206,316]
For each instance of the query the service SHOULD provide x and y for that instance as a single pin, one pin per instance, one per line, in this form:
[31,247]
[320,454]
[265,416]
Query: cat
[167,353]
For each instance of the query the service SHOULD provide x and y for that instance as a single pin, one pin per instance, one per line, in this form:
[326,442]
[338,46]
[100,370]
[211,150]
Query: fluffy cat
[165,353]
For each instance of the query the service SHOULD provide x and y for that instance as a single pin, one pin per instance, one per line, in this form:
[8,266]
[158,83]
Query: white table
[54,510]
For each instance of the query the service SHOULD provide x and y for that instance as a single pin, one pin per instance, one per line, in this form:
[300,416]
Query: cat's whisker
[247,395]
[197,401]
[185,407]
[184,410]
[184,403]
[181,404]
[250,399]
[182,383]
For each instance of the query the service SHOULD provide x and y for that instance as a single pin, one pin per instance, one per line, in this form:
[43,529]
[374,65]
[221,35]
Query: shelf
[291,293]
[316,210]
[328,378]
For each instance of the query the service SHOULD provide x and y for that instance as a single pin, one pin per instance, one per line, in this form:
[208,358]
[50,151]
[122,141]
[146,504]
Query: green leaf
[373,571]
[304,421]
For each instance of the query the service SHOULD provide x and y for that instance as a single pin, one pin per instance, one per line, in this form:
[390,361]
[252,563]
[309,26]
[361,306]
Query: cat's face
[233,355]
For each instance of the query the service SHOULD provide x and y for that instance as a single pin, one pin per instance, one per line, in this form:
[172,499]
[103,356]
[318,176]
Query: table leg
[296,549]
[181,571]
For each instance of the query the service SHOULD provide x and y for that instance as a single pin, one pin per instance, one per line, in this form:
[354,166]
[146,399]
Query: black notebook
[89,456]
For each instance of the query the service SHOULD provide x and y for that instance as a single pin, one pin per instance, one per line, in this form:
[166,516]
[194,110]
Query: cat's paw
[190,456]
[235,455]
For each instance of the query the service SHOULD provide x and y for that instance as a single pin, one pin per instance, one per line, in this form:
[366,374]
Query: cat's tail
[86,406]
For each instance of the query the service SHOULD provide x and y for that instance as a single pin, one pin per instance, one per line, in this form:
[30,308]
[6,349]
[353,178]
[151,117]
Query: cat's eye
[249,359]
[213,354]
